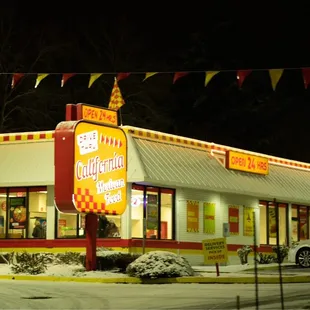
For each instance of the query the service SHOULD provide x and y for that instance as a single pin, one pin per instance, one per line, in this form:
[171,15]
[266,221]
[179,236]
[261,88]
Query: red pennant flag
[179,75]
[66,77]
[121,76]
[306,76]
[242,75]
[16,79]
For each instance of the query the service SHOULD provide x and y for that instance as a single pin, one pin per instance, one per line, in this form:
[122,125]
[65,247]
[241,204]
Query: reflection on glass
[152,213]
[137,212]
[166,214]
[3,211]
[17,213]
[66,226]
[37,214]
[263,222]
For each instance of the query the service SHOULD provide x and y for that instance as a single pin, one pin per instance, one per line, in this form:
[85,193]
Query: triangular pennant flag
[306,76]
[121,76]
[209,76]
[16,78]
[179,75]
[40,77]
[149,74]
[275,76]
[93,77]
[116,99]
[66,77]
[242,75]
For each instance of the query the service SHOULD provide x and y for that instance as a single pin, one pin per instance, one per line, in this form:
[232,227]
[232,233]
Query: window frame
[297,206]
[159,191]
[27,190]
[276,204]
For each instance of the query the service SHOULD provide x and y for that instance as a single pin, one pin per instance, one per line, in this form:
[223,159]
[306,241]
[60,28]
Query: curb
[181,280]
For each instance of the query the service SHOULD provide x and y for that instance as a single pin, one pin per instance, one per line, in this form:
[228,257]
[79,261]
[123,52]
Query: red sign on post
[90,168]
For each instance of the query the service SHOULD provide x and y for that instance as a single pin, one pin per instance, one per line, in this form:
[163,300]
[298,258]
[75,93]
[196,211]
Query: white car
[299,253]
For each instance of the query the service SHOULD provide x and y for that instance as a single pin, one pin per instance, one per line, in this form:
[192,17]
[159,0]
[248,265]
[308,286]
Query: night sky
[114,38]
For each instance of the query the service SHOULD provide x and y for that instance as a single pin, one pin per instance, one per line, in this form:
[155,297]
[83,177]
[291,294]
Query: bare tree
[26,50]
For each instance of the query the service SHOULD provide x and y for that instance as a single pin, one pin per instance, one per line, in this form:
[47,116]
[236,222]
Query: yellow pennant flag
[116,99]
[93,78]
[40,77]
[275,76]
[148,75]
[209,76]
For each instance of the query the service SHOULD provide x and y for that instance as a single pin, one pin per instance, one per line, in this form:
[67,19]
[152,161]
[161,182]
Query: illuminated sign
[95,114]
[90,168]
[248,163]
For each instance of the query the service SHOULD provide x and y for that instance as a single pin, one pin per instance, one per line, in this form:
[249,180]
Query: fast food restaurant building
[188,191]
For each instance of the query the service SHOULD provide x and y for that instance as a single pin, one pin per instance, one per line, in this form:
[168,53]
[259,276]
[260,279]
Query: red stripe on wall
[110,243]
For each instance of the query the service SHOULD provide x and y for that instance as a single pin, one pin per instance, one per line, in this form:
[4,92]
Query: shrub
[281,251]
[243,254]
[160,264]
[265,258]
[29,263]
[7,258]
[67,258]
[108,259]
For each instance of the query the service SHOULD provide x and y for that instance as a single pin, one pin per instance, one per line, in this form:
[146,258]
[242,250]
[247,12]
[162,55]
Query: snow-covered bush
[160,264]
[29,263]
[67,258]
[108,259]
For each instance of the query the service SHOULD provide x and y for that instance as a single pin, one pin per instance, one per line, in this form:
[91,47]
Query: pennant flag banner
[16,78]
[242,75]
[179,75]
[209,76]
[122,76]
[275,76]
[116,99]
[66,77]
[93,77]
[40,77]
[306,76]
[149,74]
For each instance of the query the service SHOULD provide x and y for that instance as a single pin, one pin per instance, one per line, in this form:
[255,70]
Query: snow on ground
[67,271]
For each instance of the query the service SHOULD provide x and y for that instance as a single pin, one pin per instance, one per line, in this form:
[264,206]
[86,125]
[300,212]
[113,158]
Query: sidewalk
[239,268]
[205,275]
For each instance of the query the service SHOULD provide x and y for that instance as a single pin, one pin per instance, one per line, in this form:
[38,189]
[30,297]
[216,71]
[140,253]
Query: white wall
[27,164]
[135,172]
[241,201]
[221,216]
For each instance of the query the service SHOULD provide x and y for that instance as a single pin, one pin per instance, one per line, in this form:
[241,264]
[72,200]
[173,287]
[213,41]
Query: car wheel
[303,258]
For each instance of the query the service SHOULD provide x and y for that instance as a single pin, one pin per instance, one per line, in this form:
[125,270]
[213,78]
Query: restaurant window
[155,207]
[37,212]
[3,211]
[299,222]
[17,212]
[66,225]
[73,226]
[268,223]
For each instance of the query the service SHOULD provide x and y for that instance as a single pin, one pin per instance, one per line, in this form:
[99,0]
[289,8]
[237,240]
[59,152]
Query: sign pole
[217,269]
[91,224]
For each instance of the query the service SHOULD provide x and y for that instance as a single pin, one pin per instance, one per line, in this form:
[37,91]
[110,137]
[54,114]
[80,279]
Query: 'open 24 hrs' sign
[247,162]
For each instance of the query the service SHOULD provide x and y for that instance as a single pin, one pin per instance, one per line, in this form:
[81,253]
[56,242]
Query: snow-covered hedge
[108,259]
[160,264]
